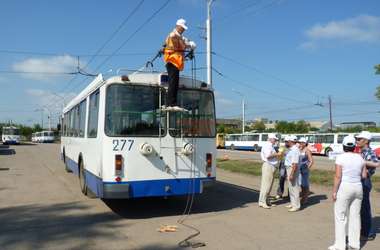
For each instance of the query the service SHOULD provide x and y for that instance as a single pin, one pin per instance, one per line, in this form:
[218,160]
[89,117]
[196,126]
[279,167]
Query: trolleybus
[10,135]
[122,142]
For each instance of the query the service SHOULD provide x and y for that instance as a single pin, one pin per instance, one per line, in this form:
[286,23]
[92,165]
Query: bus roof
[143,78]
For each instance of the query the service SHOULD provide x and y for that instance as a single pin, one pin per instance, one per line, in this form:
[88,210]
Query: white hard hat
[182,22]
[272,136]
[349,141]
[291,138]
[302,140]
[364,134]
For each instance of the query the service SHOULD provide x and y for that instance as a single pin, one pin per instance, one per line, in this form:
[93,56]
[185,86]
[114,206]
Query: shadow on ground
[222,196]
[36,227]
[7,151]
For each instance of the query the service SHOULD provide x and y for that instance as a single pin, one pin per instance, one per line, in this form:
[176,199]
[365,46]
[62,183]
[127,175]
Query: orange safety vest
[174,50]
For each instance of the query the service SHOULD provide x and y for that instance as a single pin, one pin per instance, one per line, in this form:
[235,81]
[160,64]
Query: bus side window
[82,118]
[92,128]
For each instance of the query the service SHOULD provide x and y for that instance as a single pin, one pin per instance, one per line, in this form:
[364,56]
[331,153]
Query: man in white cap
[174,57]
[269,156]
[362,141]
[292,171]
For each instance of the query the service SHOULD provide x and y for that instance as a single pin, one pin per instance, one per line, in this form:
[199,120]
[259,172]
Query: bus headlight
[146,149]
[188,149]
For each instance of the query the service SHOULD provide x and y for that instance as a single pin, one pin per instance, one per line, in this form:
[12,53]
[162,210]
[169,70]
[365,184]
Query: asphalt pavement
[41,207]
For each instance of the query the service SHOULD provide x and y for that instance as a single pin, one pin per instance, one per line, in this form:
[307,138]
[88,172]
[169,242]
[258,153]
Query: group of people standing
[352,183]
[294,162]
[351,192]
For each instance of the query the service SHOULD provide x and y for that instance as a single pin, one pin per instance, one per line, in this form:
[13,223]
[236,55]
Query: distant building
[230,123]
[345,125]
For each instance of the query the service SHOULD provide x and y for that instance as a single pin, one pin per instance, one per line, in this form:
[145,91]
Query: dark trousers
[365,212]
[282,179]
[173,74]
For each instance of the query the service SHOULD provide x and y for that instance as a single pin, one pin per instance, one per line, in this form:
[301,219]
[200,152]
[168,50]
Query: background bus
[324,143]
[43,137]
[10,135]
[246,141]
[122,143]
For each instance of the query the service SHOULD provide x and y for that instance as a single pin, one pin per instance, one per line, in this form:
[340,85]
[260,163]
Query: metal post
[209,48]
[330,111]
[243,120]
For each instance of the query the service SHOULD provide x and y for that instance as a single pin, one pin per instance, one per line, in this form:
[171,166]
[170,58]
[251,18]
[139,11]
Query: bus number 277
[120,145]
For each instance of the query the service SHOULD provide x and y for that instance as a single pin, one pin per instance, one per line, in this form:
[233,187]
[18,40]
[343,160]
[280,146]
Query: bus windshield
[11,131]
[199,121]
[133,110]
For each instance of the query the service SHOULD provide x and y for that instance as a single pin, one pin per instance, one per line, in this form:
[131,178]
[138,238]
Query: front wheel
[232,147]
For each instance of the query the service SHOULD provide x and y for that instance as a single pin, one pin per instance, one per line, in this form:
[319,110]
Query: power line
[257,89]
[257,70]
[130,37]
[244,8]
[105,43]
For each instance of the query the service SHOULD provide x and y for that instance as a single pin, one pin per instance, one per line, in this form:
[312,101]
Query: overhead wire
[113,34]
[257,70]
[263,91]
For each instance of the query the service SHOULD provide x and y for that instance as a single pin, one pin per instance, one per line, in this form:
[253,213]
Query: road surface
[41,207]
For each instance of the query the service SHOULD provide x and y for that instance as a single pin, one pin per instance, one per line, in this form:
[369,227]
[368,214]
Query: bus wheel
[82,182]
[82,178]
[68,170]
[232,147]
[327,151]
[256,148]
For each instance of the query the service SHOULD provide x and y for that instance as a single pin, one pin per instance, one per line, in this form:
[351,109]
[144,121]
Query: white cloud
[53,101]
[48,66]
[362,28]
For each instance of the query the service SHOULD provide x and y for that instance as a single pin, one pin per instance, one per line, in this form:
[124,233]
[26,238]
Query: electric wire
[222,75]
[121,25]
[257,70]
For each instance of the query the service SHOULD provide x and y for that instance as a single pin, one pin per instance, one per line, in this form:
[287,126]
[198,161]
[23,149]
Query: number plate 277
[122,144]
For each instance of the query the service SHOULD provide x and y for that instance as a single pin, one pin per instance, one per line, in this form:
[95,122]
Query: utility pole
[243,109]
[209,47]
[330,111]
[243,114]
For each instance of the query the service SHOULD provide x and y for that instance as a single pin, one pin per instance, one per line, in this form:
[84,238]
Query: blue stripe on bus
[241,147]
[146,188]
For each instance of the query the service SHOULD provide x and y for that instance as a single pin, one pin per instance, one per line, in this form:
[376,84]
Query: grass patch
[251,167]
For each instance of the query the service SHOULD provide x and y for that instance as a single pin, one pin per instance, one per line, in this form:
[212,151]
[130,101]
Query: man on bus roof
[174,57]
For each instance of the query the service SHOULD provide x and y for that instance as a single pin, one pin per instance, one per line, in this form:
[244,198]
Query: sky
[282,56]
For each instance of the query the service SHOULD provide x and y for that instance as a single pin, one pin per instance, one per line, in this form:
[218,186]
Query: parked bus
[122,143]
[220,140]
[246,141]
[324,143]
[43,137]
[10,135]
[375,143]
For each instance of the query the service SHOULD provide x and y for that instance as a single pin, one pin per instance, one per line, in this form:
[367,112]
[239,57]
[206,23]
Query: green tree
[259,126]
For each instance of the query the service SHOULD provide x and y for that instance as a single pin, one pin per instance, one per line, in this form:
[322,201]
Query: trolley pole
[209,44]
[330,113]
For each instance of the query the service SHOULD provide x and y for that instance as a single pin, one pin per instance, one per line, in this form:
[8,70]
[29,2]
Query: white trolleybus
[246,141]
[43,137]
[10,135]
[122,142]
